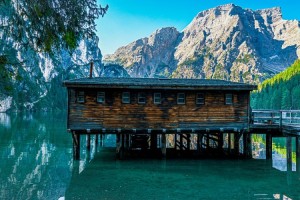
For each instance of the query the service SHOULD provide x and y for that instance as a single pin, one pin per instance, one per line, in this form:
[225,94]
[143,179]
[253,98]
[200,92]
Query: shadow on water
[36,163]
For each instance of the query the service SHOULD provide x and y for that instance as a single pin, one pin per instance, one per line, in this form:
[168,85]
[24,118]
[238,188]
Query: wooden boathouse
[143,111]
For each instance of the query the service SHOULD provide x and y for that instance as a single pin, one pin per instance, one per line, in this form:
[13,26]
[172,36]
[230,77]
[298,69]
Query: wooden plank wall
[114,114]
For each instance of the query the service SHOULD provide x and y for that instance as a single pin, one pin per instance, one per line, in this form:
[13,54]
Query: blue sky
[129,20]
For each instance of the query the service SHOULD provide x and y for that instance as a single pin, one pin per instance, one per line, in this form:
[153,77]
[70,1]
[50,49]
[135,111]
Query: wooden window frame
[156,98]
[228,99]
[180,98]
[80,97]
[126,99]
[200,98]
[141,98]
[99,95]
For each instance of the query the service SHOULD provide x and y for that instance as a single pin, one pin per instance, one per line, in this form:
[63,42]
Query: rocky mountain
[226,42]
[33,80]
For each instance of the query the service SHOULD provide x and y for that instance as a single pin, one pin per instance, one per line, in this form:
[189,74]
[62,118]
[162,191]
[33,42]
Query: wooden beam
[268,146]
[247,145]
[236,144]
[153,141]
[298,154]
[88,142]
[289,153]
[76,145]
[163,145]
[229,143]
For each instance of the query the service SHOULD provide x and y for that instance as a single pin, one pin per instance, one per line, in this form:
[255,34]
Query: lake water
[36,163]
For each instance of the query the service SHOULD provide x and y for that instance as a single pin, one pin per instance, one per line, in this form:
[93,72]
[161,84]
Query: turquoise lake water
[37,163]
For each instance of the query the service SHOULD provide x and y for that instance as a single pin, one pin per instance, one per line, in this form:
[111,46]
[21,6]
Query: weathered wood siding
[114,114]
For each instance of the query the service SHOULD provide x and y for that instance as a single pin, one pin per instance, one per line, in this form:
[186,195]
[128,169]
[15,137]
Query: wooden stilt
[153,140]
[76,145]
[126,144]
[175,141]
[96,140]
[163,145]
[298,154]
[118,144]
[188,142]
[268,146]
[88,142]
[101,140]
[289,153]
[247,145]
[236,144]
[199,143]
[229,143]
[207,142]
[220,143]
[181,142]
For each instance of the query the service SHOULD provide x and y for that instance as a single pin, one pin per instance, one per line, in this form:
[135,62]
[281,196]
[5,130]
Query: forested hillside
[279,92]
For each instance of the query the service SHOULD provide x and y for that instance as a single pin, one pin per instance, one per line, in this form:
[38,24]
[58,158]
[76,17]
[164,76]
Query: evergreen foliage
[45,25]
[279,92]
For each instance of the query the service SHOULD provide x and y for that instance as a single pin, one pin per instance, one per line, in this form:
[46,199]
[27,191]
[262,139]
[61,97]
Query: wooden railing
[276,117]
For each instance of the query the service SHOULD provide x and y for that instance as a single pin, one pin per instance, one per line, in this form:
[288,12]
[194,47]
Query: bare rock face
[148,57]
[226,42]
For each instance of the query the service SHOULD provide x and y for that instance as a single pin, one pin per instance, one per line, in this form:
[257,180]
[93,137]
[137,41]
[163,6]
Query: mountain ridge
[226,42]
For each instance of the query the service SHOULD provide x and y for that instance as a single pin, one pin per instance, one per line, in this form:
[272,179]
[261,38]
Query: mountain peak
[274,13]
[226,42]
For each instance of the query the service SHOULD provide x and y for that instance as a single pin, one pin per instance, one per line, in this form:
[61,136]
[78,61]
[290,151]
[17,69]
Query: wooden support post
[236,144]
[175,141]
[127,142]
[199,143]
[289,153]
[298,154]
[188,142]
[76,145]
[118,144]
[229,143]
[88,142]
[163,145]
[268,146]
[153,144]
[181,142]
[101,140]
[247,145]
[220,143]
[96,140]
[207,142]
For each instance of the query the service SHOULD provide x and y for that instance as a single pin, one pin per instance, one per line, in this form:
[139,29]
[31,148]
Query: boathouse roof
[157,83]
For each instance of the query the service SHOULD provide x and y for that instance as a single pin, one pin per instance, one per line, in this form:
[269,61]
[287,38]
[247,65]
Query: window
[200,98]
[100,97]
[141,98]
[180,98]
[228,99]
[80,97]
[125,97]
[157,98]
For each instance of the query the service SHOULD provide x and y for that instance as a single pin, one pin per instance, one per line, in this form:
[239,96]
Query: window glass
[100,97]
[200,98]
[80,97]
[141,98]
[180,98]
[228,99]
[157,98]
[125,97]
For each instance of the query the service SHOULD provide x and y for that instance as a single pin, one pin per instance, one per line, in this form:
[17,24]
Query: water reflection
[36,155]
[5,120]
[279,151]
